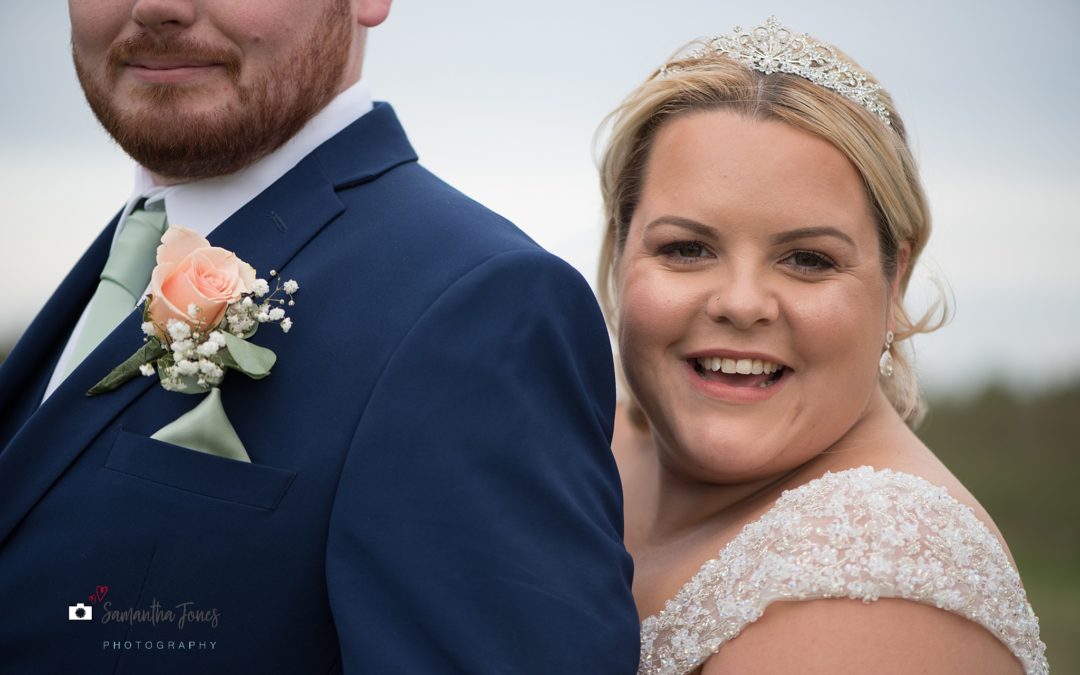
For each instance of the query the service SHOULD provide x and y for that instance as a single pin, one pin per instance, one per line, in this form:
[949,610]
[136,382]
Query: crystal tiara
[772,48]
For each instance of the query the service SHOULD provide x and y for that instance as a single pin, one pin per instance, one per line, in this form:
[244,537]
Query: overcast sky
[502,99]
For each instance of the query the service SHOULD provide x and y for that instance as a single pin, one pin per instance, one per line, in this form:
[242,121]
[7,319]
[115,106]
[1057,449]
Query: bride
[764,214]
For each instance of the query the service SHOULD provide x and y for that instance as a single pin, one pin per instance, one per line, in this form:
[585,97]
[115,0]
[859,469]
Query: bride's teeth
[738,366]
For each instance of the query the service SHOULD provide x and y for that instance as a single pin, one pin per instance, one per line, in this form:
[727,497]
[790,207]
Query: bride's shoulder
[866,535]
[863,493]
[811,570]
[890,511]
[890,636]
[917,506]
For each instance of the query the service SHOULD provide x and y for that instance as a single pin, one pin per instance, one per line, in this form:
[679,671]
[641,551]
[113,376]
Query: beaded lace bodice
[860,534]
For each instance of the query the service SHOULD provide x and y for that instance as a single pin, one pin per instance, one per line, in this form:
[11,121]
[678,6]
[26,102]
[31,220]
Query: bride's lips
[737,377]
[171,71]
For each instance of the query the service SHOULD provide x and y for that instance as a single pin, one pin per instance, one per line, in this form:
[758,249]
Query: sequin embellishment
[860,534]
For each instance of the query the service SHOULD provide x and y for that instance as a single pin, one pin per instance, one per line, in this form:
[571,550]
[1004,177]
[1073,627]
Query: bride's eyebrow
[702,230]
[809,233]
[698,228]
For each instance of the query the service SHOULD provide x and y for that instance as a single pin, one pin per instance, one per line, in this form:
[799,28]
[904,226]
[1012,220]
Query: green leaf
[148,353]
[251,360]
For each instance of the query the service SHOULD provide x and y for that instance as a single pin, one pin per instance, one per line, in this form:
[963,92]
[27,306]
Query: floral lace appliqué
[860,534]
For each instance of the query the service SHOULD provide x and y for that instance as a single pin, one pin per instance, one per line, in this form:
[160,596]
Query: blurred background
[503,100]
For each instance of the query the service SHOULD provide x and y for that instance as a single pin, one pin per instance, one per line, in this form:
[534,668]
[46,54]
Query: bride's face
[752,302]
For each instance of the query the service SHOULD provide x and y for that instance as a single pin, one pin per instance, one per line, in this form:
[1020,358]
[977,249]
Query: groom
[430,488]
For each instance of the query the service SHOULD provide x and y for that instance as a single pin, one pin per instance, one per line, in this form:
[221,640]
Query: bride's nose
[743,299]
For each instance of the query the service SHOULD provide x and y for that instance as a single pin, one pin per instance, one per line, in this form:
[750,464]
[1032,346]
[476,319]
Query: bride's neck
[682,506]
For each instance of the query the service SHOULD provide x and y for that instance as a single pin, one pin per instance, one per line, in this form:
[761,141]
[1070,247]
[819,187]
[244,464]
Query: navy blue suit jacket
[431,488]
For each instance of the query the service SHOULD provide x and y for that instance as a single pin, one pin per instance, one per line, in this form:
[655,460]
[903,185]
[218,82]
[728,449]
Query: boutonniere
[204,306]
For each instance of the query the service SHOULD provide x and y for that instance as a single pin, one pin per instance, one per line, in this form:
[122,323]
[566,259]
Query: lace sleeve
[860,534]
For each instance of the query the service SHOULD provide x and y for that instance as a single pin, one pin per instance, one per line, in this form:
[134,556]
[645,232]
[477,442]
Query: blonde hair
[879,153]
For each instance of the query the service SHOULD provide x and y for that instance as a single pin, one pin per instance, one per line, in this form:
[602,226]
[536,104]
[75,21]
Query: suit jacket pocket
[255,485]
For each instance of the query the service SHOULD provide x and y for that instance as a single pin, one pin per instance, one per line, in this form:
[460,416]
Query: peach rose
[192,272]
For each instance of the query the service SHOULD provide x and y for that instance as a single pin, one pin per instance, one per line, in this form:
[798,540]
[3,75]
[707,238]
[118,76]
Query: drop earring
[885,364]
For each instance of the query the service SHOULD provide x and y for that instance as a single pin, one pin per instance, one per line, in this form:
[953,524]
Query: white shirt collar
[204,204]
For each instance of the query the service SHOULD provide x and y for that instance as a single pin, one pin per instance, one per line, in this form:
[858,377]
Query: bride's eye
[685,250]
[809,261]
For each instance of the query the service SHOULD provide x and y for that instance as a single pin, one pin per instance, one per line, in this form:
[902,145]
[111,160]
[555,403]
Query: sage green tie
[126,273]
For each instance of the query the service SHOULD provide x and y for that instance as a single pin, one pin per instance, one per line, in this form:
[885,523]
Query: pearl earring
[885,365]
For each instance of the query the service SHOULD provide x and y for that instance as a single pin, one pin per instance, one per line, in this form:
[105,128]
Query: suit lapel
[270,229]
[267,232]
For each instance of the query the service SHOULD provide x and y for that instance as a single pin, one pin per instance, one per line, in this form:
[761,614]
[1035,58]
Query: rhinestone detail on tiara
[772,48]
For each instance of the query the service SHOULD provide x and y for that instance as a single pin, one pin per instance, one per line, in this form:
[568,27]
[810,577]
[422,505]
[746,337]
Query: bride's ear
[903,259]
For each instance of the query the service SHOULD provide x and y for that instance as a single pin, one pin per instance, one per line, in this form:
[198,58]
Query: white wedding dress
[860,534]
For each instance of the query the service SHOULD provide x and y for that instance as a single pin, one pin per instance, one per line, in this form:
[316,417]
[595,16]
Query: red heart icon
[102,591]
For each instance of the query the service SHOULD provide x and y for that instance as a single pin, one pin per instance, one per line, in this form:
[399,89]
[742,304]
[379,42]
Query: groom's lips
[171,71]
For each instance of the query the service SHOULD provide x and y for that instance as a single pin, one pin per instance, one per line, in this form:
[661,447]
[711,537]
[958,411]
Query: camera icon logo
[80,612]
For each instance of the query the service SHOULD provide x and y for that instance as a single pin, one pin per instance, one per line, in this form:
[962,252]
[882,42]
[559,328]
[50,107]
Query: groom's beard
[265,112]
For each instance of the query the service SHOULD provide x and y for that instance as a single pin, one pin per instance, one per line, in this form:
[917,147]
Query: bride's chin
[721,463]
